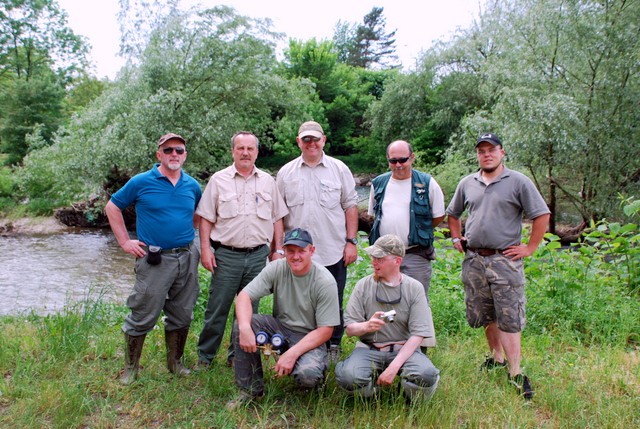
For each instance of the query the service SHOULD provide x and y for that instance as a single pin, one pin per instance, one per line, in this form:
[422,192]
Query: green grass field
[581,350]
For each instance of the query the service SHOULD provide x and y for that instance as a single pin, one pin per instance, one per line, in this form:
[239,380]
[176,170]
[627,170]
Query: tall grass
[580,348]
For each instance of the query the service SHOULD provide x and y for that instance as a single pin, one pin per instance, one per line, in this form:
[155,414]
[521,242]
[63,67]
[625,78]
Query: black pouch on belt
[154,255]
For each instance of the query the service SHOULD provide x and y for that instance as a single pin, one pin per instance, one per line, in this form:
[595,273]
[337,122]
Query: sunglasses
[309,139]
[398,160]
[179,150]
[394,301]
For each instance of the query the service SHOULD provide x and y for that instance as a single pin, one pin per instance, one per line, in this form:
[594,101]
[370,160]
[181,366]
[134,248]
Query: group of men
[305,223]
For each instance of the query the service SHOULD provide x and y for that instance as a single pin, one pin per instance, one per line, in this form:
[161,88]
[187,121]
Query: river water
[44,273]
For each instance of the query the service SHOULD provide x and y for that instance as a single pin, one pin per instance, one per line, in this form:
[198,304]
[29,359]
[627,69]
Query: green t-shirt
[302,303]
[411,312]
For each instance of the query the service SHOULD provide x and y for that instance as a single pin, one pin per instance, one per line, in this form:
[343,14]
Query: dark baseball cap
[165,138]
[489,138]
[298,237]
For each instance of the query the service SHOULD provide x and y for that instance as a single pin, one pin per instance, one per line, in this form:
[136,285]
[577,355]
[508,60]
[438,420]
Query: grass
[60,371]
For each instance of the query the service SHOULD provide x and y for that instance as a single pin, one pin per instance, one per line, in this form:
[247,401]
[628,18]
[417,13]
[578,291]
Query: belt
[175,250]
[216,245]
[486,252]
[416,249]
[388,348]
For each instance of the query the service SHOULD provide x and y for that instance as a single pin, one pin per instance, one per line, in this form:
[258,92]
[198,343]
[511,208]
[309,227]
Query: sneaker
[334,353]
[243,399]
[490,364]
[522,384]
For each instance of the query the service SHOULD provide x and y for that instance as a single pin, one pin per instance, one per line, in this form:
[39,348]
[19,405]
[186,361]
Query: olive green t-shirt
[411,311]
[302,303]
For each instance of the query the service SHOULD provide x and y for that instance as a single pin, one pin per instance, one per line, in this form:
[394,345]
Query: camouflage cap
[389,244]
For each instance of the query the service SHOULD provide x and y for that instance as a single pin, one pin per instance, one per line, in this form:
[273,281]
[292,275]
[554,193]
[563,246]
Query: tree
[565,80]
[39,57]
[366,45]
[205,75]
[29,106]
[344,92]
[34,36]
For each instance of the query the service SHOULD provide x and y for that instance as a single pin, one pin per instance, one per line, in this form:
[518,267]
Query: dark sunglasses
[398,160]
[394,301]
[309,139]
[168,150]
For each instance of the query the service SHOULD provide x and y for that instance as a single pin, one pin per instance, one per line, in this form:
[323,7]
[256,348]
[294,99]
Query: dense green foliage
[581,348]
[40,58]
[558,80]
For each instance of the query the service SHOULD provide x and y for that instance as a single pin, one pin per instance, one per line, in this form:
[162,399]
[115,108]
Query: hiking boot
[243,399]
[334,353]
[491,364]
[522,384]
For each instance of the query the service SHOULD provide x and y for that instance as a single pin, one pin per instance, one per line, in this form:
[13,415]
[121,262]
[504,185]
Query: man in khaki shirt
[241,211]
[321,197]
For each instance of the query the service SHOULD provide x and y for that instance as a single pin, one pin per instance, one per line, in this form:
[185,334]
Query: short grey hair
[244,133]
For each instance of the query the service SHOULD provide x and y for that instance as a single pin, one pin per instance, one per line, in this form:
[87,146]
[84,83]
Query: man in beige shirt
[321,197]
[241,224]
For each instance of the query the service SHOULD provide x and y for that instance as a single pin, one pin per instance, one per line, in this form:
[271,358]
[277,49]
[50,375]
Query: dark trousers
[235,270]
[339,272]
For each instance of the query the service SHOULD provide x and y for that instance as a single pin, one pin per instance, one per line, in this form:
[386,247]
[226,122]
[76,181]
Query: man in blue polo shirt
[165,199]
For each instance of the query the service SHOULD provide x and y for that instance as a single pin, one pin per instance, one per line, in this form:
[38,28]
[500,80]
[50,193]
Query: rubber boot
[175,341]
[133,350]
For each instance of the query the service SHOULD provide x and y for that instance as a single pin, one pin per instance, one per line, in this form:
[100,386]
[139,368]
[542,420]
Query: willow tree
[204,74]
[565,78]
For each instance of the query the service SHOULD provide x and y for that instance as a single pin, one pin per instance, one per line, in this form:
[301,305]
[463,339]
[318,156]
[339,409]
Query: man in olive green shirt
[305,310]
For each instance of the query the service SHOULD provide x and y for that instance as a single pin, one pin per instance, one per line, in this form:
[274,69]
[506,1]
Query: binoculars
[271,345]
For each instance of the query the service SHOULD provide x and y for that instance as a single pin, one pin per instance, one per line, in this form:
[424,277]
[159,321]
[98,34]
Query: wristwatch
[280,252]
[352,241]
[455,240]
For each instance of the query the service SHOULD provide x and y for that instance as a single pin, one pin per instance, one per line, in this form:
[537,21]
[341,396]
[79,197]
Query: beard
[490,170]
[173,167]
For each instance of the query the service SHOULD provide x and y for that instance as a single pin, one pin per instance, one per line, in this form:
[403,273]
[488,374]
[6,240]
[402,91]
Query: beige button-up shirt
[317,198]
[241,210]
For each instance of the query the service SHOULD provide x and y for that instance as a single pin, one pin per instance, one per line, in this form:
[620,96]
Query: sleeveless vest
[420,225]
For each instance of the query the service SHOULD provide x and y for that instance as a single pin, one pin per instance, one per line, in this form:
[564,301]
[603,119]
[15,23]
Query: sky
[418,23]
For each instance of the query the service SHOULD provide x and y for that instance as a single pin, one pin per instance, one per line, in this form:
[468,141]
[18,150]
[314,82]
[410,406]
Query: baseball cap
[310,128]
[298,237]
[388,244]
[165,138]
[489,138]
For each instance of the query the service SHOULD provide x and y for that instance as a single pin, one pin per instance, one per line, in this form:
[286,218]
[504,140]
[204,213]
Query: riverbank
[31,225]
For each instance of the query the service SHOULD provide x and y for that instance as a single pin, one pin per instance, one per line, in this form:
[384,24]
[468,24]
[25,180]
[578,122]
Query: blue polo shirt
[164,212]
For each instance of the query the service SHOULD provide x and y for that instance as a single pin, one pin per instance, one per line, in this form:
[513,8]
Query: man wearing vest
[409,204]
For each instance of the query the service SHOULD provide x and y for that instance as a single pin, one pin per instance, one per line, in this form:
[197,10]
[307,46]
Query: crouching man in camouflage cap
[386,311]
[305,310]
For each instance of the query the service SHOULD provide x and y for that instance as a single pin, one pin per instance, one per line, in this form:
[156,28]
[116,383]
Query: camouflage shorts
[494,291]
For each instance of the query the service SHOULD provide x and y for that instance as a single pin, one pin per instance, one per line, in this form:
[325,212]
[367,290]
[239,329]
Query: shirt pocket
[294,193]
[329,194]
[264,205]
[227,206]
